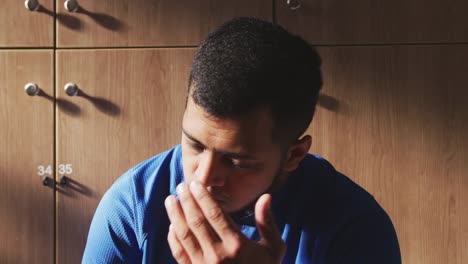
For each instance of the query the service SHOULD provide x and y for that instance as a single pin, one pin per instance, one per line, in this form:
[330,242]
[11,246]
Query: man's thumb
[271,237]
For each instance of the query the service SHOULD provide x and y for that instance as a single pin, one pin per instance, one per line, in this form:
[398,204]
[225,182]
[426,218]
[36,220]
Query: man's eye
[237,164]
[198,148]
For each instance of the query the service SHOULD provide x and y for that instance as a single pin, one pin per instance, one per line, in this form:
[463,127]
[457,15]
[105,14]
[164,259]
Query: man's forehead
[251,131]
[258,121]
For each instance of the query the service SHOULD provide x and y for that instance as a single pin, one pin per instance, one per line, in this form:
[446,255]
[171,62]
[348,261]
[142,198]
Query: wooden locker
[131,23]
[334,22]
[394,119]
[129,109]
[26,155]
[21,27]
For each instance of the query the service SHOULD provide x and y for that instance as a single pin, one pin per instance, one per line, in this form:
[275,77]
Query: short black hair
[249,63]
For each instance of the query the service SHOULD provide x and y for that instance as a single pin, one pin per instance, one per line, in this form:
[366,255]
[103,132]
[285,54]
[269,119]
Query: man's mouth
[218,196]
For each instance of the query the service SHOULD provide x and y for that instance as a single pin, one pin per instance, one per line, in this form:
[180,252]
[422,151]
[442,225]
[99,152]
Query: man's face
[235,159]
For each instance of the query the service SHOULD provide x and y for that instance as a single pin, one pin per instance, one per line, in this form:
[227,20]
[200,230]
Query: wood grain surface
[20,27]
[27,141]
[131,110]
[149,22]
[330,22]
[394,119]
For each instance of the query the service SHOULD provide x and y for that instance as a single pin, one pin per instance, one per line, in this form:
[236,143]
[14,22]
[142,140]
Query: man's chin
[239,210]
[224,206]
[227,207]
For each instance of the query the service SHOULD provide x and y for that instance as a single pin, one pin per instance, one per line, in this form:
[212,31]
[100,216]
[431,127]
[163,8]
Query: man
[241,187]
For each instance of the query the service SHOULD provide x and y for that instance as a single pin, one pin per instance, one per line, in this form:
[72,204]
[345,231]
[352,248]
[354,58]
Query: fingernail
[169,202]
[196,188]
[182,189]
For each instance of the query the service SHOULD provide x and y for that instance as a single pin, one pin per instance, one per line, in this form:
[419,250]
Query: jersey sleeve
[112,236]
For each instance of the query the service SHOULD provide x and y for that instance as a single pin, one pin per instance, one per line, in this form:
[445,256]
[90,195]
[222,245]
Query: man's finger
[184,235]
[221,223]
[176,247]
[270,236]
[196,220]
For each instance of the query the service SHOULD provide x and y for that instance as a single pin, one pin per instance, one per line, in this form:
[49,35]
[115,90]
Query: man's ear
[296,153]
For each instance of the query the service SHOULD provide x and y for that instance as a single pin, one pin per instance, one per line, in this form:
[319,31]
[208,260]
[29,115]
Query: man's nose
[209,172]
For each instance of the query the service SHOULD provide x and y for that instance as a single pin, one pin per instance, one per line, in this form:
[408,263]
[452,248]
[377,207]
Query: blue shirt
[323,216]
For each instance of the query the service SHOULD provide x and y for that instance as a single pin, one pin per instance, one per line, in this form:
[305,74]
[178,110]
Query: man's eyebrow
[241,156]
[192,138]
[231,154]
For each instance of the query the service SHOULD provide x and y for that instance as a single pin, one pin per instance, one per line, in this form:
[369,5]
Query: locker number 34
[43,170]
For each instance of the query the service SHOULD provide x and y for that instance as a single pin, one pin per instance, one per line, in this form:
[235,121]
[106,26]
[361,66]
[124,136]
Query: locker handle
[63,180]
[71,89]
[71,5]
[47,181]
[32,5]
[293,4]
[32,89]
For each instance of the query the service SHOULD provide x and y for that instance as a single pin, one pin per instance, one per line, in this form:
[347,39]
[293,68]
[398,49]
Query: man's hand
[200,232]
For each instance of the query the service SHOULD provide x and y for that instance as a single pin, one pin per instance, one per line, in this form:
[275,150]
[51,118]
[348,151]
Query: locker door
[329,22]
[394,119]
[149,22]
[129,108]
[21,27]
[26,156]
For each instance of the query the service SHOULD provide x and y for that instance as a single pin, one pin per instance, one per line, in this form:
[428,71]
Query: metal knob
[46,181]
[71,89]
[32,89]
[32,5]
[63,180]
[71,5]
[293,4]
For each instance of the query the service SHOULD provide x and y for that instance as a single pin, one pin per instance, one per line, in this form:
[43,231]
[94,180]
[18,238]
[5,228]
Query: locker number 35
[65,169]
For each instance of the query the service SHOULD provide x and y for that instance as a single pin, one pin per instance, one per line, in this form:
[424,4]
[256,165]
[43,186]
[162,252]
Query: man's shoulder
[167,160]
[351,224]
[165,165]
[330,182]
[338,212]
[330,192]
[142,189]
[128,210]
